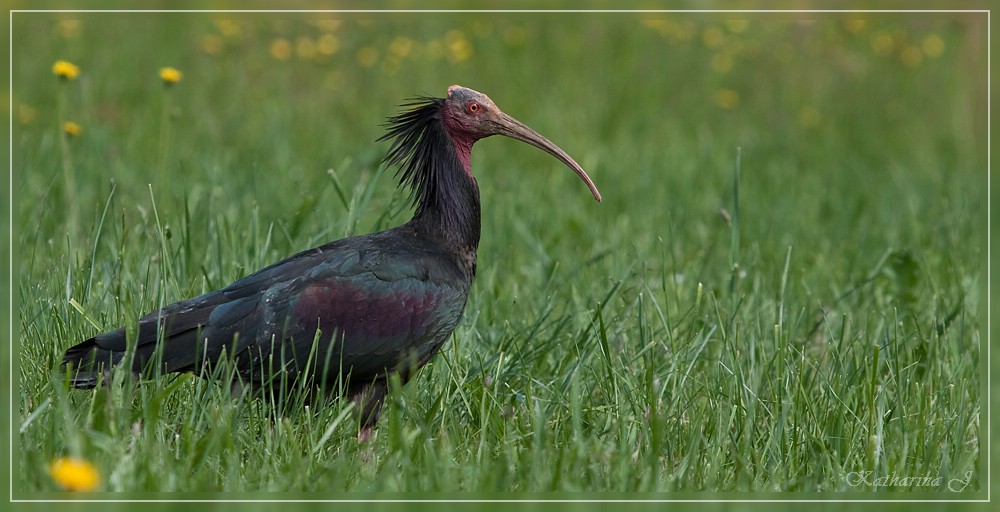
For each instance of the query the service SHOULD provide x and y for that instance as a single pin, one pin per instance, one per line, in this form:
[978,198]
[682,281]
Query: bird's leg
[364,434]
[369,404]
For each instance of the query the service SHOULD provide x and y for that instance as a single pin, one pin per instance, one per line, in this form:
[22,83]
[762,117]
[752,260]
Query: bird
[348,315]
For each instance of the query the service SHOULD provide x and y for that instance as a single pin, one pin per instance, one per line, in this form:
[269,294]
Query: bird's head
[470,115]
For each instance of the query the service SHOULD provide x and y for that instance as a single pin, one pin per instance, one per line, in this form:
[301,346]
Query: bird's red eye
[473,107]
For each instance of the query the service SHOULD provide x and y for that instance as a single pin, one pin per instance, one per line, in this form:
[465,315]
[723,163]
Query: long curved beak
[510,127]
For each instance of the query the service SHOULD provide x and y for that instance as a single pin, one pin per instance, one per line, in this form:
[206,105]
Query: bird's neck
[449,210]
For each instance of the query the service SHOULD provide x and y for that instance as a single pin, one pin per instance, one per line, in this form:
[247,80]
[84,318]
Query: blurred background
[654,106]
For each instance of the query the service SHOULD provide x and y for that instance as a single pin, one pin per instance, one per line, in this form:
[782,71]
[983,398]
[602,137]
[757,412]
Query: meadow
[782,294]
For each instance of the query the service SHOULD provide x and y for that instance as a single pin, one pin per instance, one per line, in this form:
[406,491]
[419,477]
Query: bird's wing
[369,310]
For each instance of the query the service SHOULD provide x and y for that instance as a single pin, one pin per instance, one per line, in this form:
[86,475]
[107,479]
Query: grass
[781,291]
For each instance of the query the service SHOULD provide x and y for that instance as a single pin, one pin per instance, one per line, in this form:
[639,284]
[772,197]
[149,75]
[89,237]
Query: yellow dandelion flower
[727,98]
[305,47]
[684,31]
[400,47]
[458,45]
[229,28]
[657,25]
[882,43]
[713,37]
[855,25]
[933,45]
[170,75]
[328,44]
[72,129]
[722,62]
[461,50]
[281,49]
[65,70]
[367,56]
[75,474]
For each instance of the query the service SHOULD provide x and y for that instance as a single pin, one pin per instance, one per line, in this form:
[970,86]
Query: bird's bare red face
[471,115]
[468,113]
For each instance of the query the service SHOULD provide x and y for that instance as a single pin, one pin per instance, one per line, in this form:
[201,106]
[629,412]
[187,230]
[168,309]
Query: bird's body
[348,314]
[377,301]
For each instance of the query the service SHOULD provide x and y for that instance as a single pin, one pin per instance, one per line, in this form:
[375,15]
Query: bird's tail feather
[88,363]
[169,340]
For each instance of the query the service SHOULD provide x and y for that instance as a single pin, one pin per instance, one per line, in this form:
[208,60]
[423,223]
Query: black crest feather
[445,194]
[417,136]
